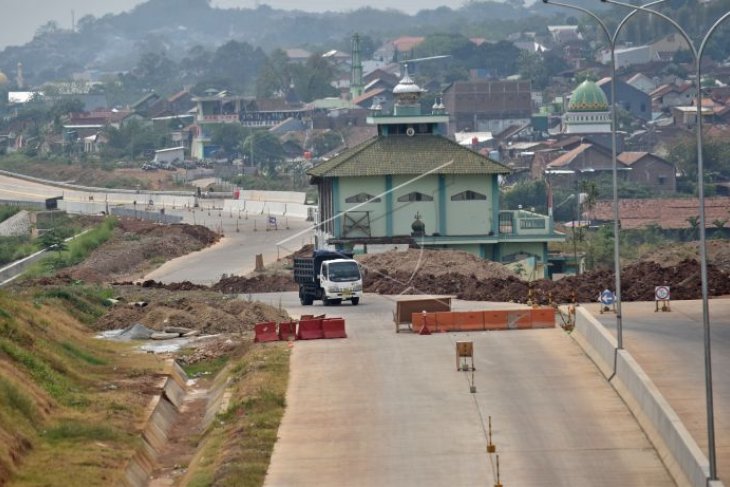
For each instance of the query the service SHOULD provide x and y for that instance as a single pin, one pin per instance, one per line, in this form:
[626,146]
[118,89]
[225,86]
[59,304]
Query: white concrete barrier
[679,451]
[273,196]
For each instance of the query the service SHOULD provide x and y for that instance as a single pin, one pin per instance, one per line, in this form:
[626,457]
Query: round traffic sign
[607,297]
[661,293]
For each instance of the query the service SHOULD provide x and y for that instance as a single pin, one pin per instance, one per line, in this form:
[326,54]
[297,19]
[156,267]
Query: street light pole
[697,53]
[614,127]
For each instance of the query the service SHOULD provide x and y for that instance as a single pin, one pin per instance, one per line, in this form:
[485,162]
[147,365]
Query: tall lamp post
[697,54]
[614,126]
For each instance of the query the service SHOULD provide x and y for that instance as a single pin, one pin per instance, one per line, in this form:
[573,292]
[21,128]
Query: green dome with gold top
[588,97]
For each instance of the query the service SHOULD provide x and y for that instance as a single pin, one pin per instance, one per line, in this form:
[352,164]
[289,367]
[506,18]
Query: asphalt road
[387,409]
[669,346]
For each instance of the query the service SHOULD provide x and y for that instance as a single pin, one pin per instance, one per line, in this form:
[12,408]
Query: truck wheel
[306,299]
[355,301]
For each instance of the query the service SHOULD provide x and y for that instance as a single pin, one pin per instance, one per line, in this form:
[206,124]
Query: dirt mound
[138,246]
[432,262]
[262,283]
[718,254]
[637,284]
[206,311]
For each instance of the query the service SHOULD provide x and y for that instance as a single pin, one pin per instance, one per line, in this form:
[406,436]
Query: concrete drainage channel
[178,393]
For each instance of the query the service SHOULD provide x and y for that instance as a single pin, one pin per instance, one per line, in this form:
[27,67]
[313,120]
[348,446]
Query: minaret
[356,85]
[19,80]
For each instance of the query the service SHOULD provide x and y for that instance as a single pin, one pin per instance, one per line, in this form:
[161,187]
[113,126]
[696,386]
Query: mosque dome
[588,97]
[406,85]
[3,79]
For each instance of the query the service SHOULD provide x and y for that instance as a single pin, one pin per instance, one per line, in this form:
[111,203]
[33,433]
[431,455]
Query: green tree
[313,80]
[230,137]
[531,67]
[275,75]
[324,142]
[263,149]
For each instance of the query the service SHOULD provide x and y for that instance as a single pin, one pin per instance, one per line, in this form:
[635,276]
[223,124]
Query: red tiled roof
[667,213]
[367,96]
[668,88]
[629,158]
[568,157]
[406,43]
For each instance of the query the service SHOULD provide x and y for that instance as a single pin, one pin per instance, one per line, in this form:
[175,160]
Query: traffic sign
[607,297]
[661,293]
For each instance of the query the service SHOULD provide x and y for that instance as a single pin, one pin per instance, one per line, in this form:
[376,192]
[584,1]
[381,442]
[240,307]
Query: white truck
[329,276]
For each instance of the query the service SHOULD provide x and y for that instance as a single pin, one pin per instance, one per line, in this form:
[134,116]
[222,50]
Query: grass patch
[13,398]
[50,380]
[85,303]
[75,251]
[228,456]
[79,354]
[206,367]
[74,430]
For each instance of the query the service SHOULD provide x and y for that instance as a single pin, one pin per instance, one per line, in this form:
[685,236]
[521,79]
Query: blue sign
[272,220]
[607,297]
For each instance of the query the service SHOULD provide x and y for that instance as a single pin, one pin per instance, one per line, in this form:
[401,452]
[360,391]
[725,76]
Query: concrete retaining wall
[678,450]
[163,412]
[15,269]
[16,226]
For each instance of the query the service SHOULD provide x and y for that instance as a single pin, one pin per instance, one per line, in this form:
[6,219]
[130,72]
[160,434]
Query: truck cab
[340,280]
[329,276]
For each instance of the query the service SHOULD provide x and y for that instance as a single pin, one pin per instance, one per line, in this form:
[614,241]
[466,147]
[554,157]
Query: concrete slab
[388,409]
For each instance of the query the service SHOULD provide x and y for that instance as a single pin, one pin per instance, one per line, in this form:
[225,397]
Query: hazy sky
[21,18]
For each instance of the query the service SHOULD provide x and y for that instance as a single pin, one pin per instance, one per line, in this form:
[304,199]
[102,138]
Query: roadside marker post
[491,447]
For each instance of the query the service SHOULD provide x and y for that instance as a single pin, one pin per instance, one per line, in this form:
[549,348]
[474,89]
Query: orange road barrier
[334,328]
[287,330]
[310,329]
[265,332]
[518,319]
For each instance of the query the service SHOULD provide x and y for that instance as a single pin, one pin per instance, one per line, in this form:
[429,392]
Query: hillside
[69,403]
[114,43]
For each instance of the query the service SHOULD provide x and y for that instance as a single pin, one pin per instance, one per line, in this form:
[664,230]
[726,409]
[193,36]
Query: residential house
[686,116]
[650,170]
[530,46]
[671,95]
[385,76]
[642,82]
[562,34]
[628,56]
[297,55]
[667,46]
[631,99]
[378,97]
[411,184]
[487,106]
[224,107]
[584,163]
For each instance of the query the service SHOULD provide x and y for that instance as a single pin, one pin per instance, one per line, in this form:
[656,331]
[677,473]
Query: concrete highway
[388,409]
[236,253]
[22,190]
[669,347]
